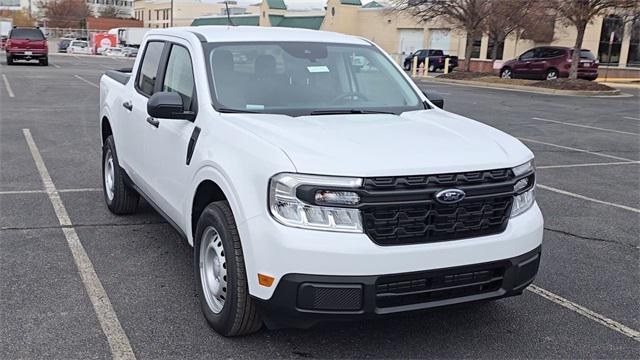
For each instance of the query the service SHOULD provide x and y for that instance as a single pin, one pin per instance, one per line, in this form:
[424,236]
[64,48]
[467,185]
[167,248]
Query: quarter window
[179,75]
[149,69]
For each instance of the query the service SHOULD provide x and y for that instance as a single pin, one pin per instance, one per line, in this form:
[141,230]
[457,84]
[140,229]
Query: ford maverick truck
[314,179]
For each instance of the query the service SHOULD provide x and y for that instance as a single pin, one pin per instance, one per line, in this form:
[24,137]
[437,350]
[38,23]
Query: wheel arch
[209,185]
[206,192]
[105,128]
[552,68]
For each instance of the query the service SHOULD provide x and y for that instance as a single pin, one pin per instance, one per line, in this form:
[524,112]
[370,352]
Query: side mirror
[435,98]
[168,105]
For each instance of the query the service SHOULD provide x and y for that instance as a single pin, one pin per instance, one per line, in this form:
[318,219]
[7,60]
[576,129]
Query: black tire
[506,73]
[44,62]
[432,68]
[552,74]
[124,199]
[239,314]
[9,60]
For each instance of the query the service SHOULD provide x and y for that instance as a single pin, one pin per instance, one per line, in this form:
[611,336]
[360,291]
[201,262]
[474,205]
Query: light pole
[171,13]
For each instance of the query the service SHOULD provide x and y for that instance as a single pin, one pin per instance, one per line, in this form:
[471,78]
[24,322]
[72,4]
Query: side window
[148,70]
[179,75]
[527,55]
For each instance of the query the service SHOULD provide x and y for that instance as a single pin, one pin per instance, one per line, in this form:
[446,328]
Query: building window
[500,50]
[611,24]
[634,45]
[475,50]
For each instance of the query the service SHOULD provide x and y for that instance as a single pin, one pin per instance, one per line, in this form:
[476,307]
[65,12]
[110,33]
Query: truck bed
[122,76]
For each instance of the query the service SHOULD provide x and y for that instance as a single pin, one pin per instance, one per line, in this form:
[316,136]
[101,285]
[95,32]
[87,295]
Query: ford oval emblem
[450,196]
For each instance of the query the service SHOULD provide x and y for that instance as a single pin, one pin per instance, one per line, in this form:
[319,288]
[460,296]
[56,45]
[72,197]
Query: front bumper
[303,300]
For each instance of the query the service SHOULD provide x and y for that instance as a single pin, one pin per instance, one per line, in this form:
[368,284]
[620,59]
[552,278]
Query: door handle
[153,121]
[127,105]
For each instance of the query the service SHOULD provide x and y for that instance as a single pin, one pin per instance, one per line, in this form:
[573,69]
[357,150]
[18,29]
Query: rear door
[538,65]
[167,145]
[27,39]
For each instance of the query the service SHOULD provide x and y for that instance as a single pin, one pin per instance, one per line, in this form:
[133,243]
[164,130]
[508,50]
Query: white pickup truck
[314,179]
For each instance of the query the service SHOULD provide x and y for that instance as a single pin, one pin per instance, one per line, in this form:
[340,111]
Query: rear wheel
[120,197]
[432,68]
[552,74]
[221,278]
[506,73]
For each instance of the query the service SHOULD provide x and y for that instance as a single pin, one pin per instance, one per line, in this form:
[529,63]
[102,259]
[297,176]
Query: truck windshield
[305,78]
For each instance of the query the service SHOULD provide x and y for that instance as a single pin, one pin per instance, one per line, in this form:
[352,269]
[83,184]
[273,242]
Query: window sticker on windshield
[255,107]
[318,69]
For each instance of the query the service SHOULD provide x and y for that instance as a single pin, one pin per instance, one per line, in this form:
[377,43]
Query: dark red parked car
[549,62]
[26,43]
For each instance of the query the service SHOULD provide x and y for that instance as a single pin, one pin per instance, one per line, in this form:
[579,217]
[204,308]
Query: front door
[522,67]
[166,145]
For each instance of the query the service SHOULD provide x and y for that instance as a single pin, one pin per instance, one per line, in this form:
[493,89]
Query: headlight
[288,209]
[524,188]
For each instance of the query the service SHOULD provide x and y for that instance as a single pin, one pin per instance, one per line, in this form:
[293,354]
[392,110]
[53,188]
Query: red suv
[549,62]
[26,43]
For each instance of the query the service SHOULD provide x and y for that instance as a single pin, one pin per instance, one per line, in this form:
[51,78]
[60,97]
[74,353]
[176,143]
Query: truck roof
[217,33]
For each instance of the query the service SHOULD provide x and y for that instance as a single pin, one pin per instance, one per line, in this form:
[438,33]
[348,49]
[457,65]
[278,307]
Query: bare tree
[579,13]
[65,13]
[19,17]
[505,17]
[110,11]
[467,15]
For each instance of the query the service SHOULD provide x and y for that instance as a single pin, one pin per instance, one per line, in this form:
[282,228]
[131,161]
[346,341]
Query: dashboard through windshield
[306,78]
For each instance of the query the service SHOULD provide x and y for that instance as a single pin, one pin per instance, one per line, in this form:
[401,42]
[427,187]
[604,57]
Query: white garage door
[439,39]
[411,40]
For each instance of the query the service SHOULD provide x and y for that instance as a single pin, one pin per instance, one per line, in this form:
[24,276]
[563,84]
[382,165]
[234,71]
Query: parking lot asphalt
[585,302]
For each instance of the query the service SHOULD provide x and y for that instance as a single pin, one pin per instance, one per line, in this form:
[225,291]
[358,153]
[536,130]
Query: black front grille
[417,288]
[403,210]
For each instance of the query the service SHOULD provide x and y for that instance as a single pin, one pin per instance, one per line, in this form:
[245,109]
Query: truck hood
[416,142]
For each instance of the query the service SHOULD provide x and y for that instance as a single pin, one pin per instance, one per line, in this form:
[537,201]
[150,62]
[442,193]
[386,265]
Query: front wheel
[506,73]
[9,60]
[220,275]
[432,68]
[44,62]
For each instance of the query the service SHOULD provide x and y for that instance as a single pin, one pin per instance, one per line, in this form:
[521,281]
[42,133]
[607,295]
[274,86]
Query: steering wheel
[354,94]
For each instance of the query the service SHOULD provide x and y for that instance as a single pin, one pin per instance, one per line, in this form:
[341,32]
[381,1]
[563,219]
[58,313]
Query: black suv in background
[436,59]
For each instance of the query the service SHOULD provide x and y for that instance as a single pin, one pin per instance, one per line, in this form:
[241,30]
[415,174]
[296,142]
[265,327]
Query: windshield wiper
[236,111]
[348,111]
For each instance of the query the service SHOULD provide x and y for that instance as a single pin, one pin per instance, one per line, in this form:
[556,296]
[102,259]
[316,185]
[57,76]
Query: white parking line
[56,66]
[7,85]
[563,192]
[576,149]
[592,315]
[631,118]
[586,126]
[586,165]
[18,192]
[116,337]
[85,80]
